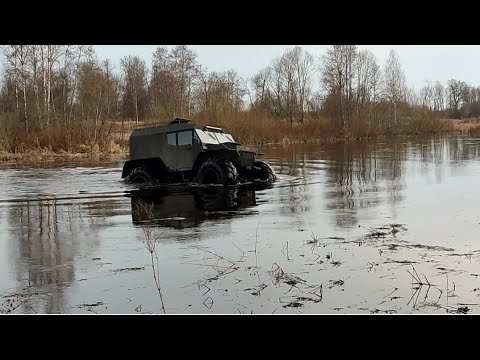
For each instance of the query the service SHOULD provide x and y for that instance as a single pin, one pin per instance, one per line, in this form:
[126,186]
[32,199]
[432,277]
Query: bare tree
[284,88]
[338,73]
[17,57]
[98,91]
[261,91]
[454,90]
[174,76]
[427,94]
[304,67]
[439,97]
[368,83]
[394,82]
[161,84]
[184,67]
[220,93]
[135,82]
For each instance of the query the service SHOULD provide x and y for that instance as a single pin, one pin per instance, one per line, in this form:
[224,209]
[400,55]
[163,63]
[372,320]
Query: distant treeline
[65,90]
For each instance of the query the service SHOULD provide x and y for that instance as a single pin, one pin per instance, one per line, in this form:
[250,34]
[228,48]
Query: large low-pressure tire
[141,175]
[266,172]
[217,171]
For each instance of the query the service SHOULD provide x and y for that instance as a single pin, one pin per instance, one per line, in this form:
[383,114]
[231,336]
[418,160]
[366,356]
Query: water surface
[385,226]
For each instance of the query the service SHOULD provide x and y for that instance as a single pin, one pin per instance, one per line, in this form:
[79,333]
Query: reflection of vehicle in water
[185,209]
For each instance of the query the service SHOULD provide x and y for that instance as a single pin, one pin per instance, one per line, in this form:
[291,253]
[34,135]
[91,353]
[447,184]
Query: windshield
[213,137]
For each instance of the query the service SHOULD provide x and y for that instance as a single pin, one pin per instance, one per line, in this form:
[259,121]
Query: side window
[185,137]
[172,139]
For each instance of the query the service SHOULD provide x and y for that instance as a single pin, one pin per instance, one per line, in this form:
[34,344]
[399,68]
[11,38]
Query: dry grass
[470,126]
[60,141]
[39,146]
[253,129]
[249,128]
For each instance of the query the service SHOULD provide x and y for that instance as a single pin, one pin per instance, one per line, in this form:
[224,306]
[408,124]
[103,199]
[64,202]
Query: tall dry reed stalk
[146,211]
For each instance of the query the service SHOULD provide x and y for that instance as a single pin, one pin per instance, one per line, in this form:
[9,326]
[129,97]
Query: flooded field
[381,227]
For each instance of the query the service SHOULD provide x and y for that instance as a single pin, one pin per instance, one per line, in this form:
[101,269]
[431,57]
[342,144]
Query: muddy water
[386,226]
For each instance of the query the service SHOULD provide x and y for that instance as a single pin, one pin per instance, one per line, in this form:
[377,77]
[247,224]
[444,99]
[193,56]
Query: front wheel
[266,172]
[141,175]
[217,171]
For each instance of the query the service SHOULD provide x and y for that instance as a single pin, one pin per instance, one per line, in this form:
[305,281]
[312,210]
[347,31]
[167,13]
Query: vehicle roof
[177,124]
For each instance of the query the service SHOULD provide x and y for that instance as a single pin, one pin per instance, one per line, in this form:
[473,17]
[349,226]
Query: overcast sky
[420,62]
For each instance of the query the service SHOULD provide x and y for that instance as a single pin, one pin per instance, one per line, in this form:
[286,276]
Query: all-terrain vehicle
[182,151]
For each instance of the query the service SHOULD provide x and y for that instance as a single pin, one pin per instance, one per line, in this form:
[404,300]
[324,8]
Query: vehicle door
[169,152]
[185,150]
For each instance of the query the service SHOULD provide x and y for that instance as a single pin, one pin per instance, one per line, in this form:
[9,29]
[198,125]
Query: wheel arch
[231,155]
[155,165]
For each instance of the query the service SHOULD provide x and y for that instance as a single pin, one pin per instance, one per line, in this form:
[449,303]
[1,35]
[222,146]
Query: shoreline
[30,158]
[34,156]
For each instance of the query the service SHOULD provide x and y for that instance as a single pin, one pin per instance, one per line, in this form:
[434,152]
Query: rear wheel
[141,175]
[266,172]
[217,171]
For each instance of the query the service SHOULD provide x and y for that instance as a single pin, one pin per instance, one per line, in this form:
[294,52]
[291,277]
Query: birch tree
[395,82]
